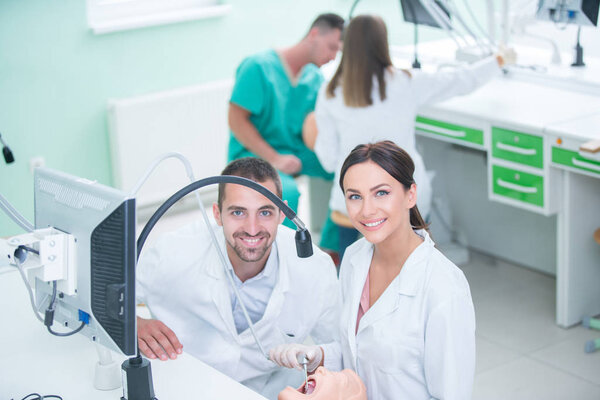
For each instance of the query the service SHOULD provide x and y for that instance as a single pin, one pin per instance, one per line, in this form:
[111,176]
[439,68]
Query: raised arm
[430,88]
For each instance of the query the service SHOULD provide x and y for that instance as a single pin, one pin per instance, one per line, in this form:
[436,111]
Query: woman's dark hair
[365,55]
[394,160]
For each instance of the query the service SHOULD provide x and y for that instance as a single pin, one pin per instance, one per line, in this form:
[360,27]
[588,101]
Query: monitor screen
[102,221]
[414,11]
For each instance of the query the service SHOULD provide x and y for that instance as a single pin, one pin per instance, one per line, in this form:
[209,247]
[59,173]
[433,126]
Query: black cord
[49,316]
[40,397]
[67,333]
[30,249]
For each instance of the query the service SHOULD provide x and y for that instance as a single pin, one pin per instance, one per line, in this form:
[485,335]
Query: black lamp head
[303,243]
[8,155]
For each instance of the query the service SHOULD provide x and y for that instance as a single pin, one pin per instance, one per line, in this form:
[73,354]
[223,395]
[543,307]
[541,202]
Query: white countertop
[535,102]
[587,127]
[32,360]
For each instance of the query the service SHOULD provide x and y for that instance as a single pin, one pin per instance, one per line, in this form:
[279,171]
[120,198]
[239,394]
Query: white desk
[32,360]
[549,224]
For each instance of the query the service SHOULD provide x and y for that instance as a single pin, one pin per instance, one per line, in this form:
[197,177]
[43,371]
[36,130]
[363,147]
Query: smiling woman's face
[327,385]
[378,205]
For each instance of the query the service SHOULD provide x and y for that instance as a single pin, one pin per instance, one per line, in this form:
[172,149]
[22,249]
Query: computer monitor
[576,12]
[102,221]
[415,12]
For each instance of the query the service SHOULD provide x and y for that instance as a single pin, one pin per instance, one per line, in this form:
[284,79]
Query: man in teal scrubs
[274,91]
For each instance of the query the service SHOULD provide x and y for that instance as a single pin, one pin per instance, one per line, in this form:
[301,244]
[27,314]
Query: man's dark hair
[328,21]
[251,168]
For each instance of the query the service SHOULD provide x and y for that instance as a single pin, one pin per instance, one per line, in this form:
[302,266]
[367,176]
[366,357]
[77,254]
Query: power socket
[36,162]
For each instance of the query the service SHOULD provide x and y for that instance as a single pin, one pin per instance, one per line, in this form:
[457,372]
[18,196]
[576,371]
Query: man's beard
[251,254]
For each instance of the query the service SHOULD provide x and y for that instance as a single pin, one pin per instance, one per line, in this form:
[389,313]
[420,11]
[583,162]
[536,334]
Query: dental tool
[304,365]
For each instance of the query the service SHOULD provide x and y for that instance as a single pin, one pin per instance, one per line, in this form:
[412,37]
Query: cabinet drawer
[518,185]
[574,160]
[449,130]
[518,147]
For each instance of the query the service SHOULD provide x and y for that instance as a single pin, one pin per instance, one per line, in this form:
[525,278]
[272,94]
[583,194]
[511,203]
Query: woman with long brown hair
[407,322]
[368,100]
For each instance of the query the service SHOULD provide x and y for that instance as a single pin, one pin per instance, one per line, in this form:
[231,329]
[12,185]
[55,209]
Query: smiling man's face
[249,222]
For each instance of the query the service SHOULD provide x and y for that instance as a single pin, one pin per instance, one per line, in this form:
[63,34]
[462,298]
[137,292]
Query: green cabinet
[448,130]
[518,185]
[572,159]
[518,147]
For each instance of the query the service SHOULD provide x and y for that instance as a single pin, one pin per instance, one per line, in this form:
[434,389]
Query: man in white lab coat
[194,308]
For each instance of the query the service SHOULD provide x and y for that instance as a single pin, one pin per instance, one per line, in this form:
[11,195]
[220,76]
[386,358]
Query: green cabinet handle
[515,149]
[514,186]
[583,164]
[449,132]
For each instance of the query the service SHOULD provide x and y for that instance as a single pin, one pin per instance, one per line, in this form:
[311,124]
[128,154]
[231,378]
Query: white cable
[443,21]
[20,268]
[190,173]
[231,282]
[15,215]
[188,169]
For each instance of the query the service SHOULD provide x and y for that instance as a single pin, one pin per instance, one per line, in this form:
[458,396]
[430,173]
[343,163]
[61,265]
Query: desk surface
[32,360]
[587,127]
[536,103]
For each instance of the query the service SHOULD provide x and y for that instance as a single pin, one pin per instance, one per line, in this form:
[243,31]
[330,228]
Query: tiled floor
[521,353]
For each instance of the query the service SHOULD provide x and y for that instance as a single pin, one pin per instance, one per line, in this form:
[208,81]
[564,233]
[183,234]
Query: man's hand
[156,340]
[289,355]
[287,163]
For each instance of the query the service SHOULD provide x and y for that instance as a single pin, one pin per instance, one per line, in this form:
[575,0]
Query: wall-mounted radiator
[191,121]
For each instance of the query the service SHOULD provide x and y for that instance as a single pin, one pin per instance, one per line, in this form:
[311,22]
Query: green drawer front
[518,185]
[518,147]
[573,159]
[450,130]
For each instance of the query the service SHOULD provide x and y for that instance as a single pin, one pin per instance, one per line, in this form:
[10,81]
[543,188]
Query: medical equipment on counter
[66,257]
[8,155]
[81,260]
[576,12]
[414,12]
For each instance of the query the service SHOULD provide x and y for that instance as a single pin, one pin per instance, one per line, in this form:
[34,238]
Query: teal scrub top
[277,107]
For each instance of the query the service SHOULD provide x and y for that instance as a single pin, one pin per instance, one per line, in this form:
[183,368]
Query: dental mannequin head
[328,385]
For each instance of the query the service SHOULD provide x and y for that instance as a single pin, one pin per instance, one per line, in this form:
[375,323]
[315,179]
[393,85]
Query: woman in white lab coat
[408,323]
[369,100]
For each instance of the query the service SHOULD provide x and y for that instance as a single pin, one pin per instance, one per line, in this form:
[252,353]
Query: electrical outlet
[36,162]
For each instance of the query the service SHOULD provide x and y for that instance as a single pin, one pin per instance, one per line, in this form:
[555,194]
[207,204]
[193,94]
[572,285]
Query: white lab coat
[417,341]
[182,281]
[341,128]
